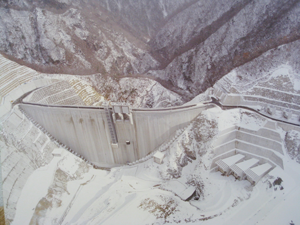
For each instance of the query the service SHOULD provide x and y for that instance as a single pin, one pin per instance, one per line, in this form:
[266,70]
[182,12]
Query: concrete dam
[110,136]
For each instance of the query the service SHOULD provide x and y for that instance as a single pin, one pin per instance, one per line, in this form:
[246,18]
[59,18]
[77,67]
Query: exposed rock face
[58,190]
[187,45]
[57,37]
[194,142]
[292,142]
[135,92]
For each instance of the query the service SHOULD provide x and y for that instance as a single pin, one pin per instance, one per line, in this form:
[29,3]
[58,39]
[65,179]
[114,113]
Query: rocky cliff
[187,45]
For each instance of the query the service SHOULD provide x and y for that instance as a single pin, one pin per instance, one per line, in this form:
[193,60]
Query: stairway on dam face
[111,126]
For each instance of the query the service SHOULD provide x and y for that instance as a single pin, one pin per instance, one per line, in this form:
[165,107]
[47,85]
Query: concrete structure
[264,144]
[109,136]
[238,170]
[284,106]
[225,164]
[256,173]
[182,191]
[17,92]
[57,152]
[158,157]
[59,93]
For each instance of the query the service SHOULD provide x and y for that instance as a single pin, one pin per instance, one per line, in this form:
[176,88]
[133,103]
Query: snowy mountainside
[275,69]
[70,40]
[136,92]
[268,84]
[187,45]
[98,90]
[238,36]
[87,90]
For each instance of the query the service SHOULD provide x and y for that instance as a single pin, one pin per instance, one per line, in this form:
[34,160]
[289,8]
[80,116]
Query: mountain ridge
[187,46]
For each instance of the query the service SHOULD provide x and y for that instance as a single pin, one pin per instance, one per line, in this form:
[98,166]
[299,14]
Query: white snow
[179,189]
[261,169]
[34,190]
[247,164]
[233,159]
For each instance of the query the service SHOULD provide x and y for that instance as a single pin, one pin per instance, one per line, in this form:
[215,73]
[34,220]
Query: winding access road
[226,107]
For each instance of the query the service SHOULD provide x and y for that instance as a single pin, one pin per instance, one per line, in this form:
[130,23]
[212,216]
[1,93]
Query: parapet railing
[99,107]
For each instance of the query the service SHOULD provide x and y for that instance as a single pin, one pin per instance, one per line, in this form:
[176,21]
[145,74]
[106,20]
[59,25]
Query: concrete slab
[181,190]
[225,164]
[240,168]
[256,173]
[57,152]
[158,157]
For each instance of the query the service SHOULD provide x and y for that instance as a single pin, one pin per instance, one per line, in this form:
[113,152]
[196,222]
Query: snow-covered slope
[75,193]
[269,84]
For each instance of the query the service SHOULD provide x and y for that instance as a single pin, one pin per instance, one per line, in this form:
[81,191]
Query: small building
[158,157]
[239,169]
[225,164]
[57,152]
[256,173]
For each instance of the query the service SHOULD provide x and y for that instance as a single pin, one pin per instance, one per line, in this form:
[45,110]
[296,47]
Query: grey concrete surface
[225,155]
[259,151]
[228,130]
[262,143]
[276,107]
[85,130]
[288,127]
[1,194]
[263,132]
[225,147]
[224,138]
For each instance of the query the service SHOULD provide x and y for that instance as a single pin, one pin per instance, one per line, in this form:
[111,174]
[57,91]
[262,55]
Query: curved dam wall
[89,130]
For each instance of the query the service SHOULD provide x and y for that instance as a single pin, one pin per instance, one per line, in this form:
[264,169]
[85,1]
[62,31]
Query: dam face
[114,135]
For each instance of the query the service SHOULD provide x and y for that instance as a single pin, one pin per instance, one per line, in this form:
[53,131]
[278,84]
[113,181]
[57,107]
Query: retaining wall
[19,91]
[263,144]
